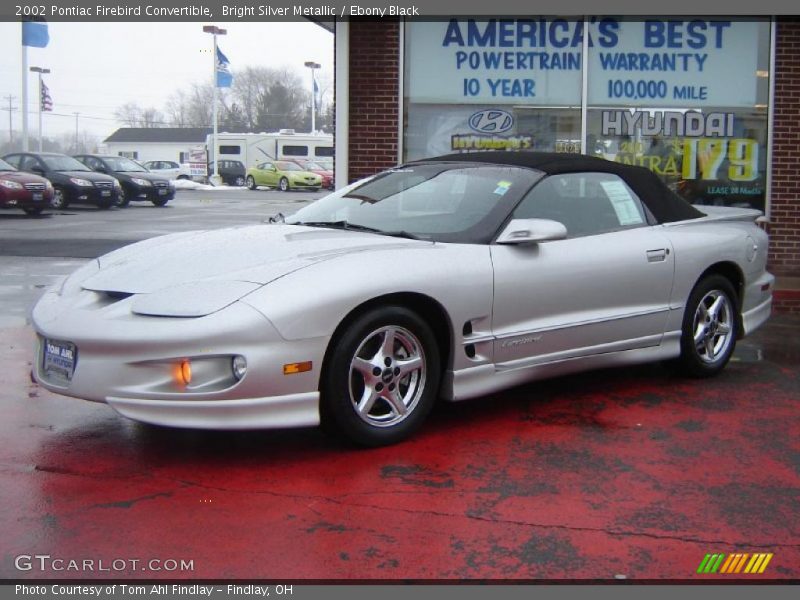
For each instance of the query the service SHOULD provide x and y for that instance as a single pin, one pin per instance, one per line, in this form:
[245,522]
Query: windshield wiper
[356,227]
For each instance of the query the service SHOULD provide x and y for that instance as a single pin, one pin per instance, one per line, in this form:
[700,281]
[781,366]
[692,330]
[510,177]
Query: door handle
[659,255]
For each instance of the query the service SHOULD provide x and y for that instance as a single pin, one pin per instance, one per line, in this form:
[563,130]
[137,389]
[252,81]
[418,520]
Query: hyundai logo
[491,120]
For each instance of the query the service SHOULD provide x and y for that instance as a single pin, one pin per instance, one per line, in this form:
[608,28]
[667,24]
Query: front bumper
[128,361]
[151,193]
[25,198]
[92,195]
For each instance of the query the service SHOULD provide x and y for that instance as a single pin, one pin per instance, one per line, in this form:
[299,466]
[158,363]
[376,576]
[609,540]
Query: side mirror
[100,169]
[531,231]
[37,170]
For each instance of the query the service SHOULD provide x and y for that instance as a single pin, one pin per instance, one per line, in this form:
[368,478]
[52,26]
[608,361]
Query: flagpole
[216,92]
[214,30]
[24,98]
[41,98]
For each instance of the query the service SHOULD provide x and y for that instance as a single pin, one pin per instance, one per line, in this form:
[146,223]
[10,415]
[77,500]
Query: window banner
[500,61]
[673,63]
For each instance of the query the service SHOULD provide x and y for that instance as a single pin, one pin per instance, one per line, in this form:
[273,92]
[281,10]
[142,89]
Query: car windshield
[64,163]
[4,166]
[288,166]
[447,202]
[123,165]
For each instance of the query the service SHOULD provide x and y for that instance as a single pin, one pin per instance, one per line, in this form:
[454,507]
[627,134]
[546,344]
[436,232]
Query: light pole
[214,31]
[41,72]
[313,66]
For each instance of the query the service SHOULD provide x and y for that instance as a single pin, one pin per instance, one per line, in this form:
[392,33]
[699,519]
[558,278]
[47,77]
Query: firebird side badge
[520,341]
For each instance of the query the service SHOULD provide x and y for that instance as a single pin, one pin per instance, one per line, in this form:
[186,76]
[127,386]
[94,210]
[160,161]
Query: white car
[445,278]
[168,168]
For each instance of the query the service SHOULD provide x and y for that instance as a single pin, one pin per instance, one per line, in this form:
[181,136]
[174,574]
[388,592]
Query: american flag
[46,100]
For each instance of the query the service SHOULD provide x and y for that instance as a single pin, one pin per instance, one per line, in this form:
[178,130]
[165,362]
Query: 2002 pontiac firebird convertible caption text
[451,278]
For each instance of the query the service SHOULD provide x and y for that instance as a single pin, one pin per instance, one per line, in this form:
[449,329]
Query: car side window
[28,163]
[13,160]
[586,203]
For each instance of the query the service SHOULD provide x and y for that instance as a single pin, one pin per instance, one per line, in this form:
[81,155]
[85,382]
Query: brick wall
[784,228]
[374,96]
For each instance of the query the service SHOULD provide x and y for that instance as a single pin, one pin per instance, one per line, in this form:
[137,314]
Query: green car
[284,175]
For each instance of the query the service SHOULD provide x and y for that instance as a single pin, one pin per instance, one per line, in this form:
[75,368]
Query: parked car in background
[136,181]
[318,168]
[284,175]
[232,172]
[168,168]
[73,182]
[28,192]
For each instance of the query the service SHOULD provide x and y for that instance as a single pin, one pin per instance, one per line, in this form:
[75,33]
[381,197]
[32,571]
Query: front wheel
[710,327]
[123,199]
[283,184]
[59,200]
[381,377]
[251,183]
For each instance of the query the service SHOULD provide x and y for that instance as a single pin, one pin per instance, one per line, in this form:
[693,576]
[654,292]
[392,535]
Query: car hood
[88,175]
[252,254]
[151,177]
[21,177]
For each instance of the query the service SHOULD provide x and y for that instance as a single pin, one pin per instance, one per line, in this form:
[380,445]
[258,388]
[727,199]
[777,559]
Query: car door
[604,288]
[269,175]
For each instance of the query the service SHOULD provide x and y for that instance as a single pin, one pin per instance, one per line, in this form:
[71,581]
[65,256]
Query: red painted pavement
[632,472]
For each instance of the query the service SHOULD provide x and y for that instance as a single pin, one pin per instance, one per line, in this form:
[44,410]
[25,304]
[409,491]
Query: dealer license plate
[59,359]
[105,193]
[37,195]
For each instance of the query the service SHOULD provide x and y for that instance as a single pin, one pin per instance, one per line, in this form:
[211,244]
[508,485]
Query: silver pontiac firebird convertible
[448,278]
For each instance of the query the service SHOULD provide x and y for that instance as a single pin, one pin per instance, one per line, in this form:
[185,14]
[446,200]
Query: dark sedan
[29,192]
[72,181]
[136,182]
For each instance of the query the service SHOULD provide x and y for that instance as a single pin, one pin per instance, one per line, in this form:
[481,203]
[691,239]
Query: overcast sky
[97,67]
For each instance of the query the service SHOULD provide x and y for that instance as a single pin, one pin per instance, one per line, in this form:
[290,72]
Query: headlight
[81,182]
[142,182]
[11,185]
[47,184]
[117,183]
[239,367]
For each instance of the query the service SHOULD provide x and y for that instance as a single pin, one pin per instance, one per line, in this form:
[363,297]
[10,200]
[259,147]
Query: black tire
[238,181]
[352,375]
[123,199]
[251,183]
[708,337]
[159,201]
[283,185]
[33,210]
[183,177]
[59,200]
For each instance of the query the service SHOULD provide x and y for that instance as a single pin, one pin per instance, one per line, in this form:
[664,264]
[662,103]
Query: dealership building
[712,105]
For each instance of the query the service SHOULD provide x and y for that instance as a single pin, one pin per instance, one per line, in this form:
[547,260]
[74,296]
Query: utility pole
[77,114]
[10,110]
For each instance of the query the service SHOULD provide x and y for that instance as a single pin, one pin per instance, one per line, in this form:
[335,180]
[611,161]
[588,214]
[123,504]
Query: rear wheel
[710,327]
[381,378]
[251,183]
[59,198]
[239,181]
[283,184]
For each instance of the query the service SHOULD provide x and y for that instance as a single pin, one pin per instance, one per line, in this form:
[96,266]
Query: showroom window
[686,98]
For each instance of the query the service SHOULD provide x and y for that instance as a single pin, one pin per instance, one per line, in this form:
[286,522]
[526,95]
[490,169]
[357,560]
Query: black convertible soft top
[665,205]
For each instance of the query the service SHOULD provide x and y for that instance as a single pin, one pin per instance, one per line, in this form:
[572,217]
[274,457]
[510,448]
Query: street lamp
[215,31]
[313,66]
[41,72]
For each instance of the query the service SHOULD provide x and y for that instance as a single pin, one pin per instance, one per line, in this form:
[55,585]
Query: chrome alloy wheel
[713,324]
[387,376]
